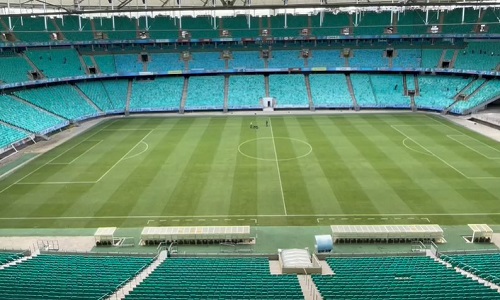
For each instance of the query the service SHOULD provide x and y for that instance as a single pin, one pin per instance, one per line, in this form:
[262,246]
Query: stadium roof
[11,7]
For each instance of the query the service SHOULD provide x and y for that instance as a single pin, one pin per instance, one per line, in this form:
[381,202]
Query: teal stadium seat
[216,278]
[30,29]
[489,91]
[161,62]
[27,117]
[14,68]
[438,92]
[70,28]
[246,91]
[289,91]
[62,100]
[161,94]
[9,136]
[205,93]
[106,63]
[330,91]
[56,63]
[363,90]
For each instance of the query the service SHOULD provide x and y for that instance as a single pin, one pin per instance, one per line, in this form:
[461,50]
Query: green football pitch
[298,170]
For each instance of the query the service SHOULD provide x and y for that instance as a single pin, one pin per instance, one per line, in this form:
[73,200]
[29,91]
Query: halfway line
[278,167]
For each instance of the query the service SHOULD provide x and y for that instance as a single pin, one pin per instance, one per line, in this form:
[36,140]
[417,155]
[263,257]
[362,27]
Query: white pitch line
[56,182]
[48,162]
[98,142]
[432,153]
[137,154]
[278,167]
[345,216]
[451,136]
[123,157]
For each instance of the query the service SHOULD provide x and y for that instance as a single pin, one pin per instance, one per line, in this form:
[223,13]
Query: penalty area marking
[137,154]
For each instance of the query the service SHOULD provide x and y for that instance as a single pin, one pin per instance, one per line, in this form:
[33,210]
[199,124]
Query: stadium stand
[245,92]
[332,24]
[69,276]
[117,91]
[71,29]
[490,90]
[363,90]
[206,60]
[286,59]
[430,58]
[57,62]
[106,63]
[479,56]
[411,277]
[217,278]
[330,91]
[485,265]
[128,63]
[411,22]
[7,257]
[160,94]
[453,21]
[14,69]
[200,27]
[161,27]
[96,92]
[30,29]
[27,117]
[373,23]
[62,100]
[246,60]
[205,93]
[238,26]
[438,92]
[165,61]
[326,58]
[389,91]
[10,136]
[125,28]
[368,59]
[407,58]
[289,91]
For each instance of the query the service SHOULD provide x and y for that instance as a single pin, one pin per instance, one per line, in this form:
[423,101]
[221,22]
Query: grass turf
[301,170]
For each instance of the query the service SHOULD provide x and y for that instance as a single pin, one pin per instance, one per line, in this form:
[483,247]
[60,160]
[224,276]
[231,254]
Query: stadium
[249,149]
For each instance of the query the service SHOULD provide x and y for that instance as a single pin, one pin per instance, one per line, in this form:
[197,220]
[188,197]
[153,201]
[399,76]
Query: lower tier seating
[245,91]
[363,90]
[205,92]
[389,91]
[289,90]
[161,94]
[216,278]
[413,277]
[490,90]
[69,276]
[7,257]
[62,100]
[27,117]
[438,92]
[485,265]
[9,136]
[330,91]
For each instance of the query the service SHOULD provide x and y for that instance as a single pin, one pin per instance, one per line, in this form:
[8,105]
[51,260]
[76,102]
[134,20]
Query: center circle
[267,148]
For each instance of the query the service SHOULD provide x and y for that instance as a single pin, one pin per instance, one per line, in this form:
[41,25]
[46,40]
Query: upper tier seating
[7,257]
[30,29]
[200,27]
[389,91]
[161,62]
[238,26]
[330,90]
[438,92]
[430,58]
[14,69]
[407,58]
[363,90]
[10,136]
[485,265]
[332,24]
[413,277]
[125,28]
[63,100]
[245,91]
[71,28]
[368,58]
[289,90]
[206,92]
[453,21]
[479,56]
[286,59]
[128,63]
[106,63]
[206,60]
[69,276]
[326,58]
[411,22]
[246,60]
[161,94]
[27,117]
[57,62]
[373,23]
[161,27]
[216,278]
[488,91]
